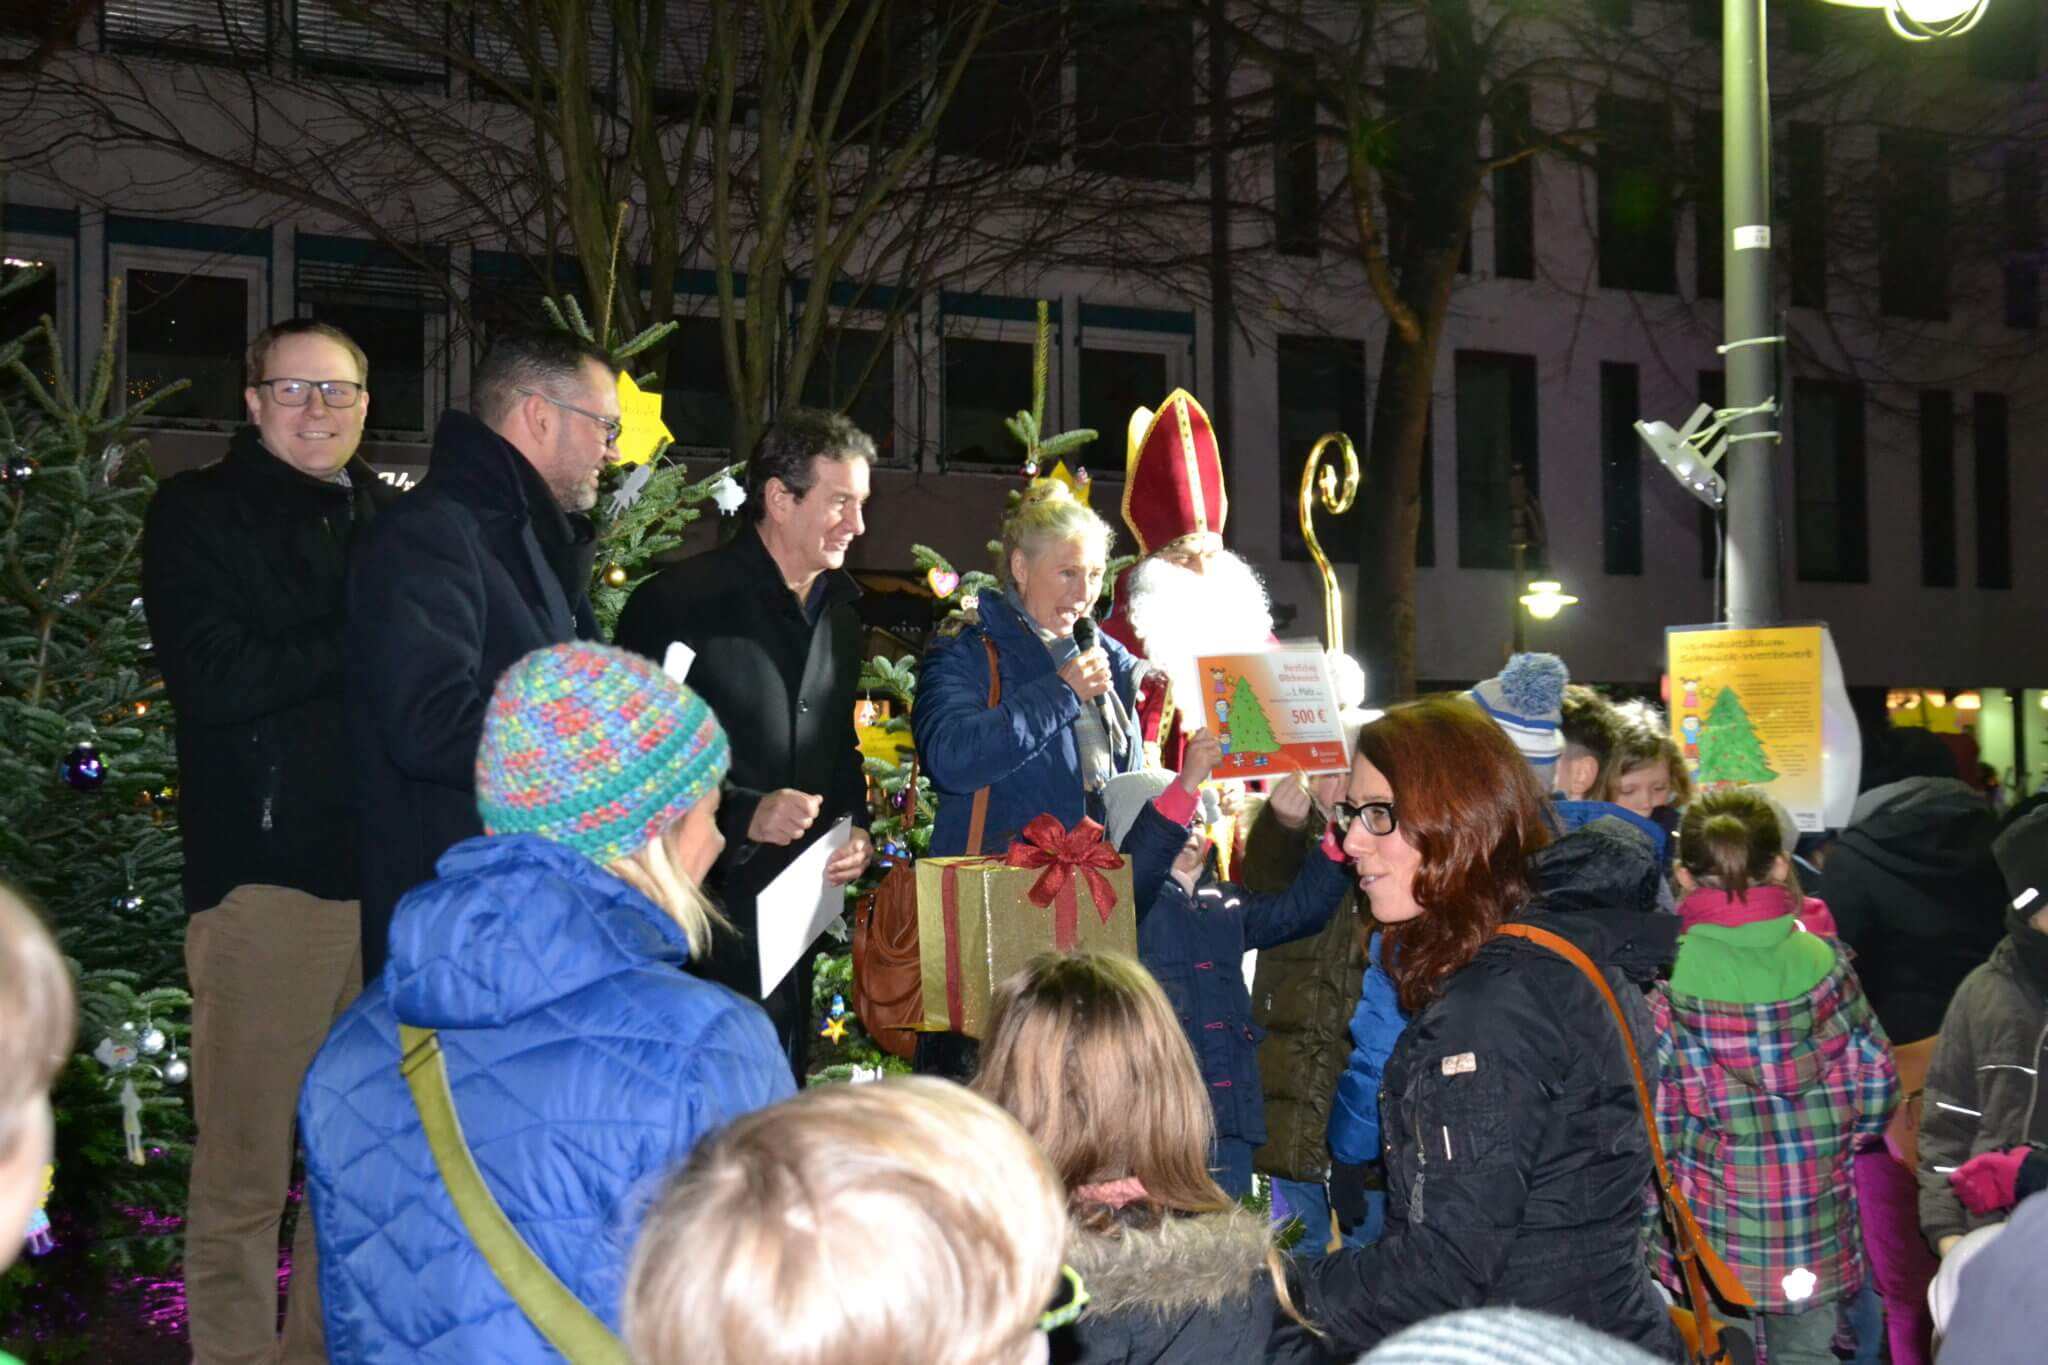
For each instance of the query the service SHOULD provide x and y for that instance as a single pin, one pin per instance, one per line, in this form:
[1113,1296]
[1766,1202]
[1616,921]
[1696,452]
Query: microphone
[1085,637]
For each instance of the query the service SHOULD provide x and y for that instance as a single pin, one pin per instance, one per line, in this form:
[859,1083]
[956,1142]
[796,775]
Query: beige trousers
[271,968]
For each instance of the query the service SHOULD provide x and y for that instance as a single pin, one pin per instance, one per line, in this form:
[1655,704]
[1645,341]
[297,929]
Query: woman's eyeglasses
[1378,816]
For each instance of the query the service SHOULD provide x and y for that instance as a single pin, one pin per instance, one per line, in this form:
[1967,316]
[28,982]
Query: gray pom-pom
[1533,684]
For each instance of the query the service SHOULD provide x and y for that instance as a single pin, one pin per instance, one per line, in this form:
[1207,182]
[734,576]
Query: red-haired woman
[1515,1149]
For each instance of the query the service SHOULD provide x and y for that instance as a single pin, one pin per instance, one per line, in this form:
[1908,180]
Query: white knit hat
[1527,701]
[1502,1336]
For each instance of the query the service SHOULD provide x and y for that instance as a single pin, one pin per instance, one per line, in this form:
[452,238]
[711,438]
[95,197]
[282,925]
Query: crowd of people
[475,927]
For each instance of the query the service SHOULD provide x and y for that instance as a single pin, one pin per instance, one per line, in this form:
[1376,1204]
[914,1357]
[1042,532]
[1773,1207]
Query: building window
[1806,213]
[1994,492]
[523,55]
[854,372]
[2022,204]
[1134,93]
[1714,393]
[1621,476]
[395,311]
[1709,260]
[987,380]
[696,405]
[1114,384]
[23,310]
[1321,390]
[1514,187]
[1831,527]
[884,87]
[1006,107]
[1496,414]
[326,40]
[2005,44]
[1297,193]
[1937,489]
[191,325]
[1912,226]
[1638,217]
[217,30]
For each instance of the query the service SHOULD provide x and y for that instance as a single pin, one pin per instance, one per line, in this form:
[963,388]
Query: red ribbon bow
[1063,853]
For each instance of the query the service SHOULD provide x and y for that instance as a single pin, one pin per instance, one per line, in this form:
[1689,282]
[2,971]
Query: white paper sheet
[794,909]
[676,662]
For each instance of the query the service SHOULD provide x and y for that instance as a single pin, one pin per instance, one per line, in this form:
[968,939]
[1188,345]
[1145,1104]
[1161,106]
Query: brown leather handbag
[1698,1263]
[888,975]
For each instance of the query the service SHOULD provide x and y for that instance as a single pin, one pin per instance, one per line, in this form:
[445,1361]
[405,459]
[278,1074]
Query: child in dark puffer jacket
[1194,930]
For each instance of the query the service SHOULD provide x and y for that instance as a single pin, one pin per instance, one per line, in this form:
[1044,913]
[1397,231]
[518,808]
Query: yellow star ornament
[642,433]
[835,1029]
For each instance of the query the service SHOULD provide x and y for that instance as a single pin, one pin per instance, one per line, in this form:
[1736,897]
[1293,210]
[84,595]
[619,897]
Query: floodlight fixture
[1692,452]
[1920,21]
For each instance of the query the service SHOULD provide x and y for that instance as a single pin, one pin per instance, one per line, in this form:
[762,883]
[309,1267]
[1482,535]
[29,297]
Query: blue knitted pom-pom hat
[596,749]
[1527,701]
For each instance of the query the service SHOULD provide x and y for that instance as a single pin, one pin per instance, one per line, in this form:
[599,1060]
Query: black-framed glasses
[296,393]
[612,425]
[1378,816]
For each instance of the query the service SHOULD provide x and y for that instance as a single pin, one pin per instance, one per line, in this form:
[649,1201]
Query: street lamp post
[1748,428]
[1755,571]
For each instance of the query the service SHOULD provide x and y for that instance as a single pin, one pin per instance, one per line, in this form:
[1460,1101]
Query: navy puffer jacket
[584,1064]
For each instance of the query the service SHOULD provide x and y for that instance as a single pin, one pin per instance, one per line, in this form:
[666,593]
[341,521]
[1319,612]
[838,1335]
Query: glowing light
[1546,599]
[1920,21]
[1935,699]
[1969,701]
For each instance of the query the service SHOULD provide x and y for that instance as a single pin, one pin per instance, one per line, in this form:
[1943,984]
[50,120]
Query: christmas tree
[1249,730]
[86,829]
[1731,753]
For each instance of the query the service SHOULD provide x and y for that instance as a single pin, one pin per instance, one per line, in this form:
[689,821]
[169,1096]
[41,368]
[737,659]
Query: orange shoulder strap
[1690,1247]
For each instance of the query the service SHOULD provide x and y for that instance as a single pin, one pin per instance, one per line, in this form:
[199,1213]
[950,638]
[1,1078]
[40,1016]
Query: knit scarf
[1103,749]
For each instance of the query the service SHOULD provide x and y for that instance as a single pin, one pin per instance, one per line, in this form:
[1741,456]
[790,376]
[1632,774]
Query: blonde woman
[582,1061]
[37,1012]
[907,1222]
[1063,724]
[1086,1053]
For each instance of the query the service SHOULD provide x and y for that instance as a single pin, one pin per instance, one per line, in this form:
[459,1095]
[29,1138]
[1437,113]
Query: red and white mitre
[1173,474]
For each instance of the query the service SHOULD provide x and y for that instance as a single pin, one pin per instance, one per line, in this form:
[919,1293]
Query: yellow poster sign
[1746,711]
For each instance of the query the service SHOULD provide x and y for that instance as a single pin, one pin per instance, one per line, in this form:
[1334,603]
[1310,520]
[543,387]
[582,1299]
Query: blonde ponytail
[649,871]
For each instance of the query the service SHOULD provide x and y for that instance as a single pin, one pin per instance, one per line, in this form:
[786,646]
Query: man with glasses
[488,559]
[244,580]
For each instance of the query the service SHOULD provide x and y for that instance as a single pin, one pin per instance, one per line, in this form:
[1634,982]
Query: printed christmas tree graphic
[1730,751]
[1250,731]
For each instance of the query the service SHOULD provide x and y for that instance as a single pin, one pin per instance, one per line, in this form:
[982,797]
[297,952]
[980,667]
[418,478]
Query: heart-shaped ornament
[943,581]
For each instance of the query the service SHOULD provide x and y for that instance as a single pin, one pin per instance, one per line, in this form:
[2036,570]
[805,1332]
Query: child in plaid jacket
[1771,1067]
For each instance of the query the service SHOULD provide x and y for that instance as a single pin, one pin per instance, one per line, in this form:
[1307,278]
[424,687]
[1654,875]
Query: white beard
[1179,615]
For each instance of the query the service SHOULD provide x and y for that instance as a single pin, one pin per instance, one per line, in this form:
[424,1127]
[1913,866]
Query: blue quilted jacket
[584,1064]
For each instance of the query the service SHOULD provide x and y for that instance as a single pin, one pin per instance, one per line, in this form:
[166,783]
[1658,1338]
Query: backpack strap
[977,818]
[1688,1244]
[554,1311]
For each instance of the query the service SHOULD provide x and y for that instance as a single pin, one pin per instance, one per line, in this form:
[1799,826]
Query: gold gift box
[997,929]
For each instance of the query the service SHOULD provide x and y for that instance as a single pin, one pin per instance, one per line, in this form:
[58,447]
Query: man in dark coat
[487,560]
[778,652]
[1916,893]
[244,580]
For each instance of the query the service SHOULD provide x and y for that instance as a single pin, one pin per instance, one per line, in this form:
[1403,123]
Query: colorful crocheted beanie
[596,749]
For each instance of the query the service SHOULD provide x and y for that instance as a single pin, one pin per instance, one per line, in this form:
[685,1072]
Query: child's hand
[1290,801]
[1204,753]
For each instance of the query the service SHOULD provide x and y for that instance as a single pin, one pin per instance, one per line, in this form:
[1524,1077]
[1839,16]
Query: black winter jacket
[1192,1291]
[783,688]
[1302,996]
[1515,1149]
[460,578]
[1917,895]
[244,582]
